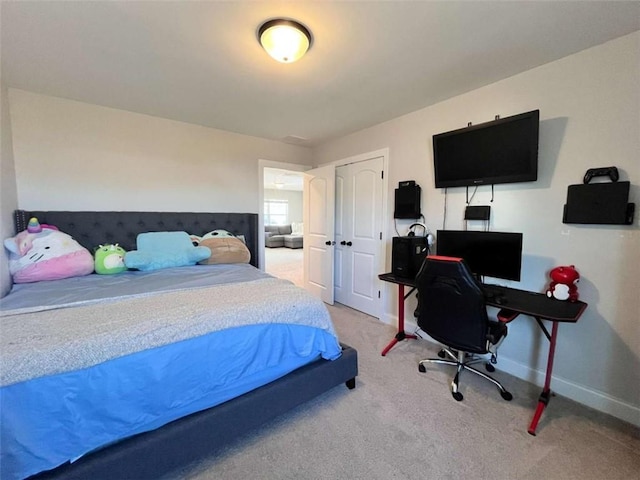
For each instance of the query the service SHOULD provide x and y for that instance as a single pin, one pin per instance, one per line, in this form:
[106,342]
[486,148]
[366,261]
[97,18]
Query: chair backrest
[451,304]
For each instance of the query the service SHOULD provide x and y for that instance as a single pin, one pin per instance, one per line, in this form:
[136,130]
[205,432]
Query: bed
[93,389]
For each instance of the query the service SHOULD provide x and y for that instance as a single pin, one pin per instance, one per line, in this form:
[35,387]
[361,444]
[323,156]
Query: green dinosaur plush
[109,259]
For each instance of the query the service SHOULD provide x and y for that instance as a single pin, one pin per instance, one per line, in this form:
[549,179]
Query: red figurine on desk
[563,283]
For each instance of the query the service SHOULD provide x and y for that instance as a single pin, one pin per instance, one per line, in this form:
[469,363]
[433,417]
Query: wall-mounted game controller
[611,172]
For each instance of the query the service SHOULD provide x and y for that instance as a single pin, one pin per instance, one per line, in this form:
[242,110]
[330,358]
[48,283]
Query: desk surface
[521,301]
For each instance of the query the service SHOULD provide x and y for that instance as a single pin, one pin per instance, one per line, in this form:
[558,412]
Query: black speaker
[407,255]
[407,198]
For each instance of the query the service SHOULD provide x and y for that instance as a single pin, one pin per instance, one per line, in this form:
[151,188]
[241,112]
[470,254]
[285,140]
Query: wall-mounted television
[500,151]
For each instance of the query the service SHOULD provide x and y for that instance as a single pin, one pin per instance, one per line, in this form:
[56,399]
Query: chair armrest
[505,315]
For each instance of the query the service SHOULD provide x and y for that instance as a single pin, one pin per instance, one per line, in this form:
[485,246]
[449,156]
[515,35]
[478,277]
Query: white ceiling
[279,179]
[371,61]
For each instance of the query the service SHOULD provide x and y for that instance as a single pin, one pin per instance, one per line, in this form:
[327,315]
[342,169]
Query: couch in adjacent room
[283,236]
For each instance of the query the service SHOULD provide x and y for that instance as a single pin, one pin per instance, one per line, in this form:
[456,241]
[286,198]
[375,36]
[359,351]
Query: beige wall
[590,116]
[8,195]
[77,156]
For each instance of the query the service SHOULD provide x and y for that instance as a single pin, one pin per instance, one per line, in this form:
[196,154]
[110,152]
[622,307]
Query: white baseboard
[591,398]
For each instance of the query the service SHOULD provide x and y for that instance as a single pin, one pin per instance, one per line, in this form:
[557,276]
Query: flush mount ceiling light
[284,40]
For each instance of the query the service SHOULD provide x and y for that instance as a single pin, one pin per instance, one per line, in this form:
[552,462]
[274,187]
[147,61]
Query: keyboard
[494,293]
[493,290]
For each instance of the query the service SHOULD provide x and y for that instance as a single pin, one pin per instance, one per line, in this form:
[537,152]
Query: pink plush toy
[43,253]
[563,283]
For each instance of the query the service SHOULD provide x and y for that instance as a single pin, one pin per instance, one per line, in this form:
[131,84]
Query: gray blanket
[36,297]
[64,339]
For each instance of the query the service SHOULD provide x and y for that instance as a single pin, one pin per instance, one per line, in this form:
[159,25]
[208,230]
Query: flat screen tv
[501,151]
[491,254]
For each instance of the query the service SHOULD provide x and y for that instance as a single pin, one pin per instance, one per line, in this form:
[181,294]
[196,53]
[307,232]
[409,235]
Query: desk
[401,282]
[536,305]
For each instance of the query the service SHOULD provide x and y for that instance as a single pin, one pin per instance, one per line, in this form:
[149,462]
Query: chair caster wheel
[458,396]
[421,368]
[507,396]
[441,354]
[489,367]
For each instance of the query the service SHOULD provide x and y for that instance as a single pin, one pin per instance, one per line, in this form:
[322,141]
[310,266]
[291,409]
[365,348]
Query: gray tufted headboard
[91,229]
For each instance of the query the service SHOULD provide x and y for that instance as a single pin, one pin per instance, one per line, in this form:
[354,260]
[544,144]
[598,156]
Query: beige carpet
[285,263]
[402,424]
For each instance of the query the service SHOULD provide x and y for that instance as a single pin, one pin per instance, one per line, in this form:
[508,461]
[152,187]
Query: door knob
[349,244]
[343,242]
[329,242]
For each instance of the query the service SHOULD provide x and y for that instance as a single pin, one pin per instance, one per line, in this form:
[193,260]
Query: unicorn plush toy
[41,252]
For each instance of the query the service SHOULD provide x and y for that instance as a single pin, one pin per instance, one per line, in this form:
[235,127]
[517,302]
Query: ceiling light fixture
[284,40]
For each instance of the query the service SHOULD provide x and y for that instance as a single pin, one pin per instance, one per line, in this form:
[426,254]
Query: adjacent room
[282,214]
[228,260]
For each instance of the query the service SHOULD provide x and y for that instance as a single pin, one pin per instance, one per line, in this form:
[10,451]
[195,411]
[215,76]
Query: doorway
[282,209]
[314,269]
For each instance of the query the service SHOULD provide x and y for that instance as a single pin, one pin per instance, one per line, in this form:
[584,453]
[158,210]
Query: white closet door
[358,232]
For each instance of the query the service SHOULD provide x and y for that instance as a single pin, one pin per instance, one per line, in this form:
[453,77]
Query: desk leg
[545,396]
[401,335]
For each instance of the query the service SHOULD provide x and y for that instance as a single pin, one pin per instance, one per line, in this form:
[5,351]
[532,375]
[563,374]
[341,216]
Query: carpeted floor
[402,424]
[285,263]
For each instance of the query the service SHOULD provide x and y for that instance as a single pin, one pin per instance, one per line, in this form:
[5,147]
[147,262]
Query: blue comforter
[83,371]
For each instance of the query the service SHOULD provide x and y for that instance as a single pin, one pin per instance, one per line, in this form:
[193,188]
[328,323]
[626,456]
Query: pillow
[109,259]
[158,250]
[217,233]
[284,229]
[43,253]
[297,228]
[222,233]
[226,250]
[195,240]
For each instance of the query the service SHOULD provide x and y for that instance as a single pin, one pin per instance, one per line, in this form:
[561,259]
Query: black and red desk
[536,305]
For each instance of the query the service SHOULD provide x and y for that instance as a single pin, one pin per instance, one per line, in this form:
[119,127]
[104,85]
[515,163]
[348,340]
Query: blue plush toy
[158,250]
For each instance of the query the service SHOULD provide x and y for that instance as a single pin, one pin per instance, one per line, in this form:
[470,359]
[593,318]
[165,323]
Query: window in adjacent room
[276,212]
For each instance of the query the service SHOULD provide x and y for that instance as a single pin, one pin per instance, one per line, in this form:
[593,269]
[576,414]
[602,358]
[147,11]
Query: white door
[318,248]
[359,188]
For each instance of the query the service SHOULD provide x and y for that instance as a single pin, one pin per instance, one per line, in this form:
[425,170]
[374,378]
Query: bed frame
[91,229]
[203,434]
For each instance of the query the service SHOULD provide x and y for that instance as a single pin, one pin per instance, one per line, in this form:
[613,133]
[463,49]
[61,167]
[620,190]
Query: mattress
[136,351]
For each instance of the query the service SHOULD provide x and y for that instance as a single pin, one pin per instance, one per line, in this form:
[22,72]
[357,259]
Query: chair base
[461,362]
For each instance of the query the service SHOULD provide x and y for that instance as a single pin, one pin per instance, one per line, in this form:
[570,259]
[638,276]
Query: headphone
[425,232]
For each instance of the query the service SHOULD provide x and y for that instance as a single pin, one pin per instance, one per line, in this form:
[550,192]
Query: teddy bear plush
[225,248]
[563,283]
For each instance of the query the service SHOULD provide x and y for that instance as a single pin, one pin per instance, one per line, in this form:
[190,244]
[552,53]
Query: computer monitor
[492,254]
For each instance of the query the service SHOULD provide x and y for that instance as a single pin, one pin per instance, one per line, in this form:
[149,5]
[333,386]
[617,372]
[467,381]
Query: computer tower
[407,255]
